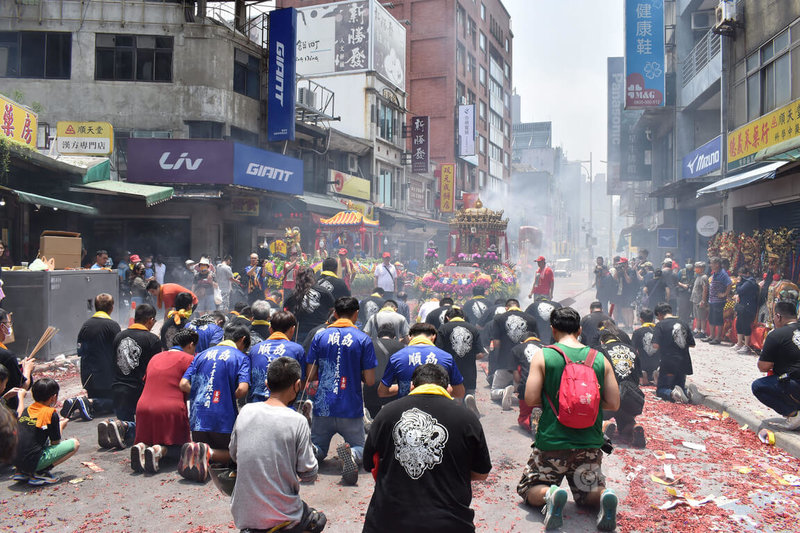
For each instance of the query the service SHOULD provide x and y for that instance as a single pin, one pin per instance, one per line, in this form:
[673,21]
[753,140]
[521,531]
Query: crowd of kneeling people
[236,392]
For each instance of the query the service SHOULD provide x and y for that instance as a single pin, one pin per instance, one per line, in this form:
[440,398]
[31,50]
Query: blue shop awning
[742,178]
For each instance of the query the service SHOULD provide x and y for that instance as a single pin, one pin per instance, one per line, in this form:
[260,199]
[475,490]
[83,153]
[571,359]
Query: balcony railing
[702,53]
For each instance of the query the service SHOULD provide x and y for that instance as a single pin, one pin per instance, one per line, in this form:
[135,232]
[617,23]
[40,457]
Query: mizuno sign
[704,160]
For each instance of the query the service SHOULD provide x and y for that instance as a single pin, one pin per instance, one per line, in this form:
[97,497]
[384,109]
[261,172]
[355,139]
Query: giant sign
[270,171]
[281,75]
[180,161]
[704,160]
[644,54]
[616,103]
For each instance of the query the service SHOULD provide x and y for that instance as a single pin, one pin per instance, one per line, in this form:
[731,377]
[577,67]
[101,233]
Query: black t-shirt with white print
[674,338]
[436,317]
[368,307]
[336,286]
[462,340]
[312,311]
[427,446]
[475,309]
[133,349]
[541,310]
[523,353]
[782,349]
[511,328]
[643,346]
[623,358]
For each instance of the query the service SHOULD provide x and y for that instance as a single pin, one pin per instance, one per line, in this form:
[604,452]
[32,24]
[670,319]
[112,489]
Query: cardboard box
[63,246]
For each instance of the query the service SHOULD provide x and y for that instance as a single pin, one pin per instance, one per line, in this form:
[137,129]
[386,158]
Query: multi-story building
[458,52]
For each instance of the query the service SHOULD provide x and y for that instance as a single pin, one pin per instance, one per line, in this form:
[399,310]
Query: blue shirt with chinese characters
[215,374]
[261,355]
[401,366]
[209,335]
[342,353]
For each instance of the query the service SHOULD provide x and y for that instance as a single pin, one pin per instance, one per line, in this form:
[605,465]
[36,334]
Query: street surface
[750,484]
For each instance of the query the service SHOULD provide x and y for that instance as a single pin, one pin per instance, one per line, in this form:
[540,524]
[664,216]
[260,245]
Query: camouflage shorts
[581,467]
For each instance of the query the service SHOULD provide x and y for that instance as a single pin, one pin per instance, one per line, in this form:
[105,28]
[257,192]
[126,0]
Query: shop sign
[447,188]
[466,130]
[774,128]
[667,237]
[180,161]
[644,54]
[245,205]
[84,138]
[19,123]
[348,185]
[704,160]
[260,169]
[281,75]
[420,153]
[707,226]
[616,103]
[368,210]
[416,194]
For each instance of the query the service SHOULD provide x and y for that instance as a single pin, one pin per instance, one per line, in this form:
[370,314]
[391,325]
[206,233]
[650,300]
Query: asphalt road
[745,478]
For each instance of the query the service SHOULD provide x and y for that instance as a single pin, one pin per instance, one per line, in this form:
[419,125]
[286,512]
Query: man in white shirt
[224,278]
[386,276]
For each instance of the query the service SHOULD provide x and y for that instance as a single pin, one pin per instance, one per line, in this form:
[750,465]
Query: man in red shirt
[544,281]
[165,294]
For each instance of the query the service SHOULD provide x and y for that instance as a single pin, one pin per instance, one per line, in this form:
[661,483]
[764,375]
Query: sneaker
[638,440]
[203,459]
[707,338]
[116,434]
[607,520]
[83,408]
[151,458]
[469,403]
[715,342]
[793,422]
[554,502]
[536,414]
[610,429]
[349,466]
[744,349]
[307,410]
[693,394]
[137,456]
[186,462]
[66,408]
[678,396]
[103,434]
[42,478]
[20,477]
[737,347]
[508,397]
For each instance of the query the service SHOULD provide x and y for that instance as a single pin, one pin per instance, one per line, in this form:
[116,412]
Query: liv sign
[704,160]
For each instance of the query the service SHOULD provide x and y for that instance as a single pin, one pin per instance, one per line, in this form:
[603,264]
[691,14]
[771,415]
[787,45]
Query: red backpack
[578,393]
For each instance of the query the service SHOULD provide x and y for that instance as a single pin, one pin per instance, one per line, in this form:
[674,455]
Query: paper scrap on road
[744,427]
[684,499]
[655,479]
[93,467]
[694,446]
[744,469]
[784,479]
[722,501]
[744,518]
[77,480]
[668,473]
[662,455]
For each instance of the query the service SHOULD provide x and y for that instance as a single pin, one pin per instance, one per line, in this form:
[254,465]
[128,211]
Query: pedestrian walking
[386,276]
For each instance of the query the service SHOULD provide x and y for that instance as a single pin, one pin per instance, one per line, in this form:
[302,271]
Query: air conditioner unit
[306,97]
[352,163]
[703,20]
[725,17]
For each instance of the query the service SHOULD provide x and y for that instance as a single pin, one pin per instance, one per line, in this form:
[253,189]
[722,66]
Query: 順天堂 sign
[774,128]
[704,160]
[19,124]
[84,138]
[447,188]
[420,156]
[644,54]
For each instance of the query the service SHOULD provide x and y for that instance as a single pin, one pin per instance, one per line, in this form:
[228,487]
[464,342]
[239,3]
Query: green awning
[152,194]
[30,198]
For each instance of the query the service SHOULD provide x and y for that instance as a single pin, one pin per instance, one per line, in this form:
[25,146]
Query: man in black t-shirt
[96,350]
[643,346]
[386,345]
[528,418]
[19,373]
[370,305]
[476,308]
[436,317]
[330,280]
[541,309]
[627,370]
[590,325]
[508,330]
[310,308]
[780,357]
[133,349]
[461,339]
[424,451]
[672,337]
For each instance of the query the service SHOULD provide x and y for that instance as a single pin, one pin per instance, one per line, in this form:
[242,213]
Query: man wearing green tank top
[560,451]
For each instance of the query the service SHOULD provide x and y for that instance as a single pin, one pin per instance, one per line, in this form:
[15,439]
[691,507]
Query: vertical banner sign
[281,75]
[19,124]
[419,145]
[466,130]
[616,102]
[644,54]
[447,188]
